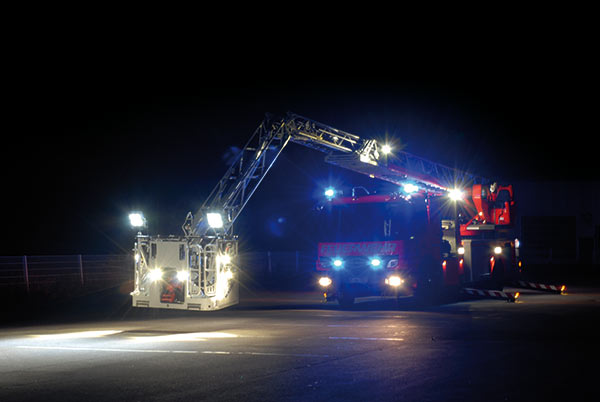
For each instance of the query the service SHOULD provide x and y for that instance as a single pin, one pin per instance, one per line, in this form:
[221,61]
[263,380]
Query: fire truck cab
[380,245]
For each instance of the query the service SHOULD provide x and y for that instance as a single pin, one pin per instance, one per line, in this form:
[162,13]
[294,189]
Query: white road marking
[264,354]
[361,326]
[356,338]
[353,316]
[333,325]
[211,352]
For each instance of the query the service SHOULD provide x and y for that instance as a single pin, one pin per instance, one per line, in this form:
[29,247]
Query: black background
[83,148]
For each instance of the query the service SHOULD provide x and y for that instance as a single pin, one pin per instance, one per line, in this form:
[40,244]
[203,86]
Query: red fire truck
[435,230]
[414,242]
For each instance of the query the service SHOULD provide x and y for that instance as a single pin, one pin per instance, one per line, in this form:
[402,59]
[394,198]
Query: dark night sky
[79,157]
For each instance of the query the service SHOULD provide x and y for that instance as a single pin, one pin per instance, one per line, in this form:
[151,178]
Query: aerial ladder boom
[343,149]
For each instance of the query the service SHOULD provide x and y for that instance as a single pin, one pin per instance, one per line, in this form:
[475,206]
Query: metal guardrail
[49,272]
[82,270]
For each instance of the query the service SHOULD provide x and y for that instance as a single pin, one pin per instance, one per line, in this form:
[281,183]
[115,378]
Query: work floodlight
[455,194]
[215,220]
[386,149]
[137,220]
[410,188]
[224,259]
[155,274]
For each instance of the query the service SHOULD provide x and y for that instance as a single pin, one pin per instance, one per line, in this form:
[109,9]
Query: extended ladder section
[346,150]
[402,167]
[233,191]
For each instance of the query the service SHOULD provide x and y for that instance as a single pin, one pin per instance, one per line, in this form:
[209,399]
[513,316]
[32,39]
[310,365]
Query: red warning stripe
[541,286]
[496,294]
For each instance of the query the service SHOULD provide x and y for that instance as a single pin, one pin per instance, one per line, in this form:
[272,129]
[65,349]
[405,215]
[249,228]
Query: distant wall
[559,222]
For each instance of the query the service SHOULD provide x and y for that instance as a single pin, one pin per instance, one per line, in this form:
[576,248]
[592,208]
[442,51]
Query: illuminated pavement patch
[212,352]
[184,337]
[465,351]
[76,335]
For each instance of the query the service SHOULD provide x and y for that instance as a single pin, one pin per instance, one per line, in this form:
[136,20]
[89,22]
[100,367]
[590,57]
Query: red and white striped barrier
[541,286]
[496,294]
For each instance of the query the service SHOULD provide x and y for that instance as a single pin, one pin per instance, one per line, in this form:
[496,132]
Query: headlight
[497,250]
[155,274]
[375,262]
[461,250]
[324,281]
[338,262]
[394,281]
[182,275]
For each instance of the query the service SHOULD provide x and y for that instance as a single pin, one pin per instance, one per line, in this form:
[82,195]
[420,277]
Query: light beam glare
[77,335]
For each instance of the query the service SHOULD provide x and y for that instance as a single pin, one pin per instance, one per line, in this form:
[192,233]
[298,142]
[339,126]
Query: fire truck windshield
[378,221]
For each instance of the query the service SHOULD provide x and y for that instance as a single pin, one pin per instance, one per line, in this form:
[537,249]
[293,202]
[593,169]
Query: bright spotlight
[137,220]
[497,250]
[224,259]
[215,220]
[386,149]
[394,281]
[410,188]
[329,192]
[182,276]
[155,274]
[375,262]
[337,263]
[324,281]
[455,194]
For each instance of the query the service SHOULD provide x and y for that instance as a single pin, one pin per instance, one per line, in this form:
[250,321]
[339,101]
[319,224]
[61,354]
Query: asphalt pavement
[292,347]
